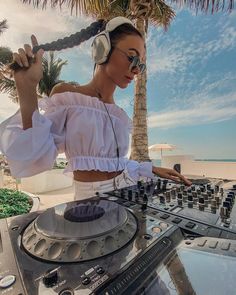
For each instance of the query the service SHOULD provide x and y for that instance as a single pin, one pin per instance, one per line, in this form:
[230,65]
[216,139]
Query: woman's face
[118,68]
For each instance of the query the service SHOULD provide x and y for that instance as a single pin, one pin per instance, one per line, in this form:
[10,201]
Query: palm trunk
[139,143]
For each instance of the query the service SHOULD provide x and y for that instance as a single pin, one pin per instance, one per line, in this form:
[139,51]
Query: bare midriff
[93,176]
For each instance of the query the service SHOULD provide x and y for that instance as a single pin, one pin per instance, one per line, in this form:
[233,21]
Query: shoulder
[62,87]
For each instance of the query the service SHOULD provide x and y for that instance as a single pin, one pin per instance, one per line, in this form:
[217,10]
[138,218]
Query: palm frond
[3,26]
[206,5]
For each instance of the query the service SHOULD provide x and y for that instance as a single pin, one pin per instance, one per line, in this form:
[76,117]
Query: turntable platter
[79,230]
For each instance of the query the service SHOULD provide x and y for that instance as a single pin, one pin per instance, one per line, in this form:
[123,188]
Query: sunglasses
[134,62]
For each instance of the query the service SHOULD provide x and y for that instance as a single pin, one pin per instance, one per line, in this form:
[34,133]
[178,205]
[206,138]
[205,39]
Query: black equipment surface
[155,237]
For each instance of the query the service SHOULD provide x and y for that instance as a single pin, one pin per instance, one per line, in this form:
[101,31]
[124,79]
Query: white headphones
[101,45]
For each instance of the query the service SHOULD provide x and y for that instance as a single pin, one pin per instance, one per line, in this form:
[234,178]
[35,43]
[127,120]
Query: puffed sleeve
[137,170]
[35,149]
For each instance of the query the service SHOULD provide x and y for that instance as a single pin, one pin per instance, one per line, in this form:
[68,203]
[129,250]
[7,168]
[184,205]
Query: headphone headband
[101,45]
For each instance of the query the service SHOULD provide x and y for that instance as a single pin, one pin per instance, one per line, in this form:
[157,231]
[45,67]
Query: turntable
[76,247]
[119,243]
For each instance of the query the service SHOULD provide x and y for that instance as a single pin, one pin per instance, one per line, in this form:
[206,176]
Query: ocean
[157,162]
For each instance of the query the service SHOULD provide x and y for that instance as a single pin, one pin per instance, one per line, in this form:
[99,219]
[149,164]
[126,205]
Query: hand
[170,174]
[29,74]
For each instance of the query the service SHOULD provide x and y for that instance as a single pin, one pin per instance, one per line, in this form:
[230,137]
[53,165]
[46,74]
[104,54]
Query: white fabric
[76,124]
[85,190]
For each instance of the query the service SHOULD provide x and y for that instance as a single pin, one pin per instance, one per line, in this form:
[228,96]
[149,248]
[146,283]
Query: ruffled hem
[67,99]
[134,168]
[93,163]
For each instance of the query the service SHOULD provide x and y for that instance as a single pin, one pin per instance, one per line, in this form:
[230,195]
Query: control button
[190,224]
[201,243]
[213,244]
[7,281]
[66,292]
[156,229]
[86,280]
[163,225]
[177,220]
[225,246]
[100,270]
[164,216]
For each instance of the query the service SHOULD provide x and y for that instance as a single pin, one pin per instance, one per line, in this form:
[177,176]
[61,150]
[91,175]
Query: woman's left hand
[170,174]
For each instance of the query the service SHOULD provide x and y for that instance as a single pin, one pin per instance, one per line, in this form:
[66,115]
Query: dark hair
[85,34]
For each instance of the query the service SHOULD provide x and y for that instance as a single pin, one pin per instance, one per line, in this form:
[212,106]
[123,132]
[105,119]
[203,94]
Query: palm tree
[51,72]
[142,12]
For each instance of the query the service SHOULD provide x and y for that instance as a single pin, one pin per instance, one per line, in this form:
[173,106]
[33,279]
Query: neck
[103,87]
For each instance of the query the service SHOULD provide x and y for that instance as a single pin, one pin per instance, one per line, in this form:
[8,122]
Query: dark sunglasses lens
[142,68]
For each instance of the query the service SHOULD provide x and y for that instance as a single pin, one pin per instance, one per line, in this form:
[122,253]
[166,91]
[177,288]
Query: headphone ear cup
[101,48]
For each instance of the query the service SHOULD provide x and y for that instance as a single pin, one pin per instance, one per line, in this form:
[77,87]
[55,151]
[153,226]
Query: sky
[191,74]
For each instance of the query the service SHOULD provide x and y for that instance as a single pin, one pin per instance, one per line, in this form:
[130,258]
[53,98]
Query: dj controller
[156,237]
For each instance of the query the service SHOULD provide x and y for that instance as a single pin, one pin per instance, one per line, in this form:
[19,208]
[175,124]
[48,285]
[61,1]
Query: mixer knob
[209,194]
[227,204]
[141,190]
[148,188]
[144,206]
[178,190]
[136,196]
[193,188]
[145,198]
[180,199]
[173,193]
[229,200]
[168,196]
[231,195]
[201,200]
[213,206]
[139,183]
[199,192]
[218,200]
[162,199]
[201,203]
[158,184]
[212,191]
[217,188]
[203,189]
[224,213]
[190,200]
[130,195]
[208,186]
[51,278]
[165,181]
[182,187]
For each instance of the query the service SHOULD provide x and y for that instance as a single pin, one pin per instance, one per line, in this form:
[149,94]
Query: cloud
[171,53]
[48,25]
[201,109]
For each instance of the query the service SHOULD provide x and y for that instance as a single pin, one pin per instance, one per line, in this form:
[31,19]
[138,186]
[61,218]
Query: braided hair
[84,35]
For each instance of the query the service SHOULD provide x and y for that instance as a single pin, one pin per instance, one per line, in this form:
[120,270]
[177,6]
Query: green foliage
[13,202]
[60,165]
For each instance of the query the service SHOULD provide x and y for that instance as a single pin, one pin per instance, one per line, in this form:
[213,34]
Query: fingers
[28,50]
[34,41]
[16,58]
[177,175]
[23,57]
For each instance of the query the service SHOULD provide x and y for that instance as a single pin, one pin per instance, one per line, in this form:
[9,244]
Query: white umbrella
[161,146]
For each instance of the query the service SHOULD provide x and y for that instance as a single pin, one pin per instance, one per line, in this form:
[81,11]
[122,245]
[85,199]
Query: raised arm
[26,80]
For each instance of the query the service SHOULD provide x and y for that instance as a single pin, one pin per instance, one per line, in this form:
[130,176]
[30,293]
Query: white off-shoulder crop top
[77,125]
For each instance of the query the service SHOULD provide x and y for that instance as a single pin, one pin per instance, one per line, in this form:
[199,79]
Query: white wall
[225,170]
[46,181]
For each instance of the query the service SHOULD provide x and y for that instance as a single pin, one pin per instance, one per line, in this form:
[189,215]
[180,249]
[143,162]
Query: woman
[82,121]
